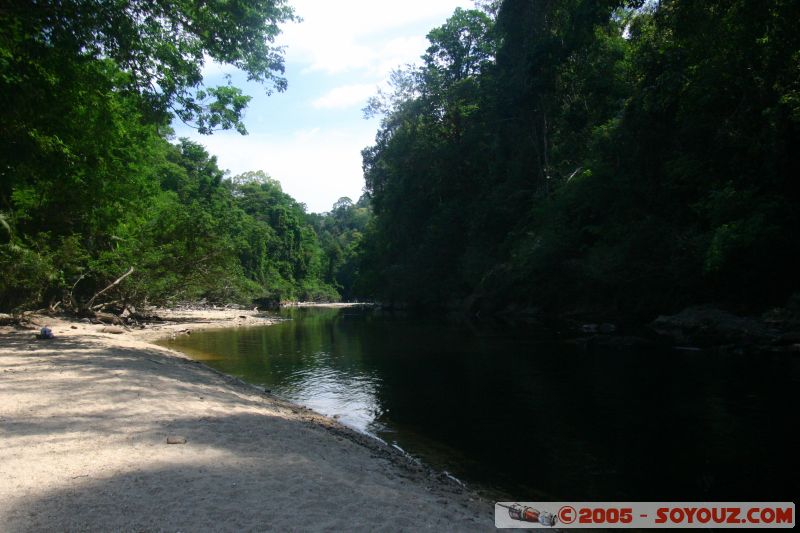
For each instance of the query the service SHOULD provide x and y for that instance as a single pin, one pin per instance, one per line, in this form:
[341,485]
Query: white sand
[84,421]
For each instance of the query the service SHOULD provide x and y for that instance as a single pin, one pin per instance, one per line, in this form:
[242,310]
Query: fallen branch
[100,307]
[125,275]
[108,317]
[72,291]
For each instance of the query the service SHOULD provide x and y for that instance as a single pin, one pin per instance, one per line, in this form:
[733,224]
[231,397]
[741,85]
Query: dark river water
[516,414]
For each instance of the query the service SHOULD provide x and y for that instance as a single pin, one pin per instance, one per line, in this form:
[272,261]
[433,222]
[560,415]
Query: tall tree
[621,156]
[160,46]
[86,92]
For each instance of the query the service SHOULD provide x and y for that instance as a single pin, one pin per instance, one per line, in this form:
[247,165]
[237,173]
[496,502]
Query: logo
[644,515]
[523,513]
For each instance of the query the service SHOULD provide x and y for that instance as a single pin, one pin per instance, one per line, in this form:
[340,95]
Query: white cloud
[315,166]
[401,51]
[211,68]
[351,35]
[346,96]
[351,46]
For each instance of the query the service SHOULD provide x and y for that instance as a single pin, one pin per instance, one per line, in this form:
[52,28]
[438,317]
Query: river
[518,413]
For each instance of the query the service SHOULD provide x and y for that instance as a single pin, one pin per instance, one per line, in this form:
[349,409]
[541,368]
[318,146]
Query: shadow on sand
[248,464]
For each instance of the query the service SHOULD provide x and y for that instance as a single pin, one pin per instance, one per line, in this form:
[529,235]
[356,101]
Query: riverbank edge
[707,327]
[256,319]
[179,322]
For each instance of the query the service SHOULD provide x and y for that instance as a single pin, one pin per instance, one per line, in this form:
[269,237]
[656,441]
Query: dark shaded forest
[620,158]
[616,157]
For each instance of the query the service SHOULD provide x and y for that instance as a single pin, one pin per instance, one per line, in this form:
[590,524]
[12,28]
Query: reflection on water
[327,390]
[302,360]
[531,417]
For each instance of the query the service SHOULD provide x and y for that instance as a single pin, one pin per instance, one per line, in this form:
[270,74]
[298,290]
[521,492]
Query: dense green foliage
[156,47]
[280,251]
[341,232]
[615,156]
[90,184]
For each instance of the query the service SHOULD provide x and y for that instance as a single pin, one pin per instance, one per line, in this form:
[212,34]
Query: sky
[310,137]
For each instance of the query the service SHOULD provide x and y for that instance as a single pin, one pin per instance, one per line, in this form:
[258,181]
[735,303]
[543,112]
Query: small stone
[112,329]
[74,327]
[175,439]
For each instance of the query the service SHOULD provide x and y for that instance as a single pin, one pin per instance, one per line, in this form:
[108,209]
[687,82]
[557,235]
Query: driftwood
[103,306]
[108,317]
[71,296]
[90,311]
[24,319]
[117,282]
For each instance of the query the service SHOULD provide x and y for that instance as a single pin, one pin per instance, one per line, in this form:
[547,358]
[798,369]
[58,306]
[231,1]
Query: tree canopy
[626,157]
[158,47]
[92,182]
[619,156]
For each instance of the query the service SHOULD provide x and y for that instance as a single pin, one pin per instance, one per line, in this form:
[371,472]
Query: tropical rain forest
[569,268]
[624,158]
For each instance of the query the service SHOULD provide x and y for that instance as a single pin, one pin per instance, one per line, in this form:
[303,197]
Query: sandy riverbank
[84,424]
